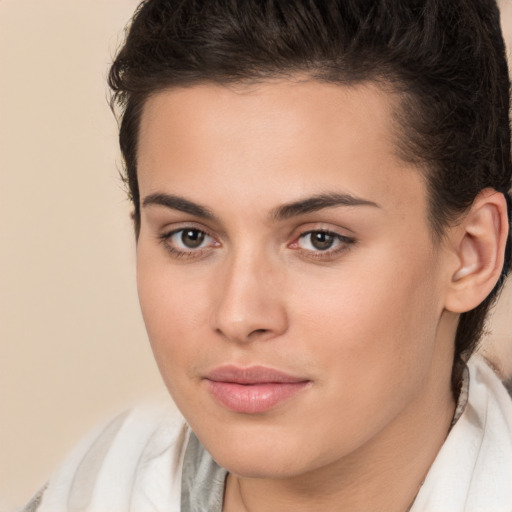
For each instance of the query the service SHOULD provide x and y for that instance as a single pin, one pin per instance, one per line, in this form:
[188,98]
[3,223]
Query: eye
[318,241]
[188,238]
[322,244]
[187,241]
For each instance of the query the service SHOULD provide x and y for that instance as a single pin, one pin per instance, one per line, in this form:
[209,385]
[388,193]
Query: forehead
[290,109]
[275,140]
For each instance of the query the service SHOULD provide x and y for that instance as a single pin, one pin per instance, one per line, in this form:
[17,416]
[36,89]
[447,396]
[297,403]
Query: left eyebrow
[318,202]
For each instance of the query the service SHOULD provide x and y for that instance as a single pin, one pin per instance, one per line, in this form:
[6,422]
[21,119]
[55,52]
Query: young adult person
[321,207]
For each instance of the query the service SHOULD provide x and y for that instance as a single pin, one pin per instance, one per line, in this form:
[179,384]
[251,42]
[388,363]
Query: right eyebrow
[177,203]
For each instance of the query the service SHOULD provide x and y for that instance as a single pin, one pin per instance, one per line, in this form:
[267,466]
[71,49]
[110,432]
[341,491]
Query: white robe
[135,463]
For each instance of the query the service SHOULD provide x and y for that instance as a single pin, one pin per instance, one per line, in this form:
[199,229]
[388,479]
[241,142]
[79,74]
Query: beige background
[73,349]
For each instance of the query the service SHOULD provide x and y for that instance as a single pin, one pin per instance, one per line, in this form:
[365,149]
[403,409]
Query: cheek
[373,323]
[174,308]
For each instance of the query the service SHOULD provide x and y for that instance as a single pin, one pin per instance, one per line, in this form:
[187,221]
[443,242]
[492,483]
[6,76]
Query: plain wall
[73,349]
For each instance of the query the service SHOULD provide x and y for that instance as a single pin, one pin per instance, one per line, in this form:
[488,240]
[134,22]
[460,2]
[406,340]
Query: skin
[364,322]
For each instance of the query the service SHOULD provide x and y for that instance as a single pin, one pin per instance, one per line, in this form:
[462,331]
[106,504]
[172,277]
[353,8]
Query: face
[288,280]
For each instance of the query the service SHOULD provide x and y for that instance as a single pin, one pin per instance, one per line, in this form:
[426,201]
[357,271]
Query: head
[453,118]
[448,120]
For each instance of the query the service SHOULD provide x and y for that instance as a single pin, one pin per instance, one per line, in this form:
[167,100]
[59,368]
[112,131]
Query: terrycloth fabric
[139,461]
[473,470]
[133,464]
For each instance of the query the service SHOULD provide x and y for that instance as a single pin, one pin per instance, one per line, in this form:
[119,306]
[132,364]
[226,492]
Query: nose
[249,304]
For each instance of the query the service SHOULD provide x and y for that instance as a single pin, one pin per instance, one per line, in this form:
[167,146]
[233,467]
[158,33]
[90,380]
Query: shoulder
[132,462]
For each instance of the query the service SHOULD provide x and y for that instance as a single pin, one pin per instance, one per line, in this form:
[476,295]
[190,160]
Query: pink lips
[252,390]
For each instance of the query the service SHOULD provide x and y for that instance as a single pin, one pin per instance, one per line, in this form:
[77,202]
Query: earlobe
[479,242]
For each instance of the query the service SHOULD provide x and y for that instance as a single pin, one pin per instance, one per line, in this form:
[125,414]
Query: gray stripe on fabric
[508,385]
[34,503]
[463,395]
[82,487]
[202,485]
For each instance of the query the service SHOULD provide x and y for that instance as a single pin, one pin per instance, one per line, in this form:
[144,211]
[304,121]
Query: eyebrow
[286,211]
[178,203]
[319,202]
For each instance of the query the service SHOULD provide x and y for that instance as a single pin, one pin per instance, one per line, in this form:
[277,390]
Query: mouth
[252,390]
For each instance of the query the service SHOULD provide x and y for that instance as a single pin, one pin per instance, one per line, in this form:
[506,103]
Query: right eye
[187,241]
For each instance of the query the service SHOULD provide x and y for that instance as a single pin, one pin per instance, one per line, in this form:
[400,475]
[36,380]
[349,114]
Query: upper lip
[252,375]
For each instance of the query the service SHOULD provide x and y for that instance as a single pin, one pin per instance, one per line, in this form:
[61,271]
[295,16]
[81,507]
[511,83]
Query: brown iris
[321,240]
[192,238]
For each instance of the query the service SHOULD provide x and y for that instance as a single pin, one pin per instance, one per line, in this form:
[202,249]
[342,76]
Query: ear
[478,242]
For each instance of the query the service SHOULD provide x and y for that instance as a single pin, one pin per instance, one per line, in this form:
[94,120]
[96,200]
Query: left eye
[319,241]
[189,239]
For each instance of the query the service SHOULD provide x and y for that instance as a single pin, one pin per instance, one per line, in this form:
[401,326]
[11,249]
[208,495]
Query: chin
[261,466]
[262,455]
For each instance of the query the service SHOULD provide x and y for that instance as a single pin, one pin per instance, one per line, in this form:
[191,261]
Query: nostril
[258,331]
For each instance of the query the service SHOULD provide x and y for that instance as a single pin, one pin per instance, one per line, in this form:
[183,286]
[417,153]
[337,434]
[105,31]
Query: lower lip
[253,398]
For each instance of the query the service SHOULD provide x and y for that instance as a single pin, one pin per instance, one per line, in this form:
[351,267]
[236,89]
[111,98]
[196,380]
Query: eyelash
[165,239]
[344,244]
